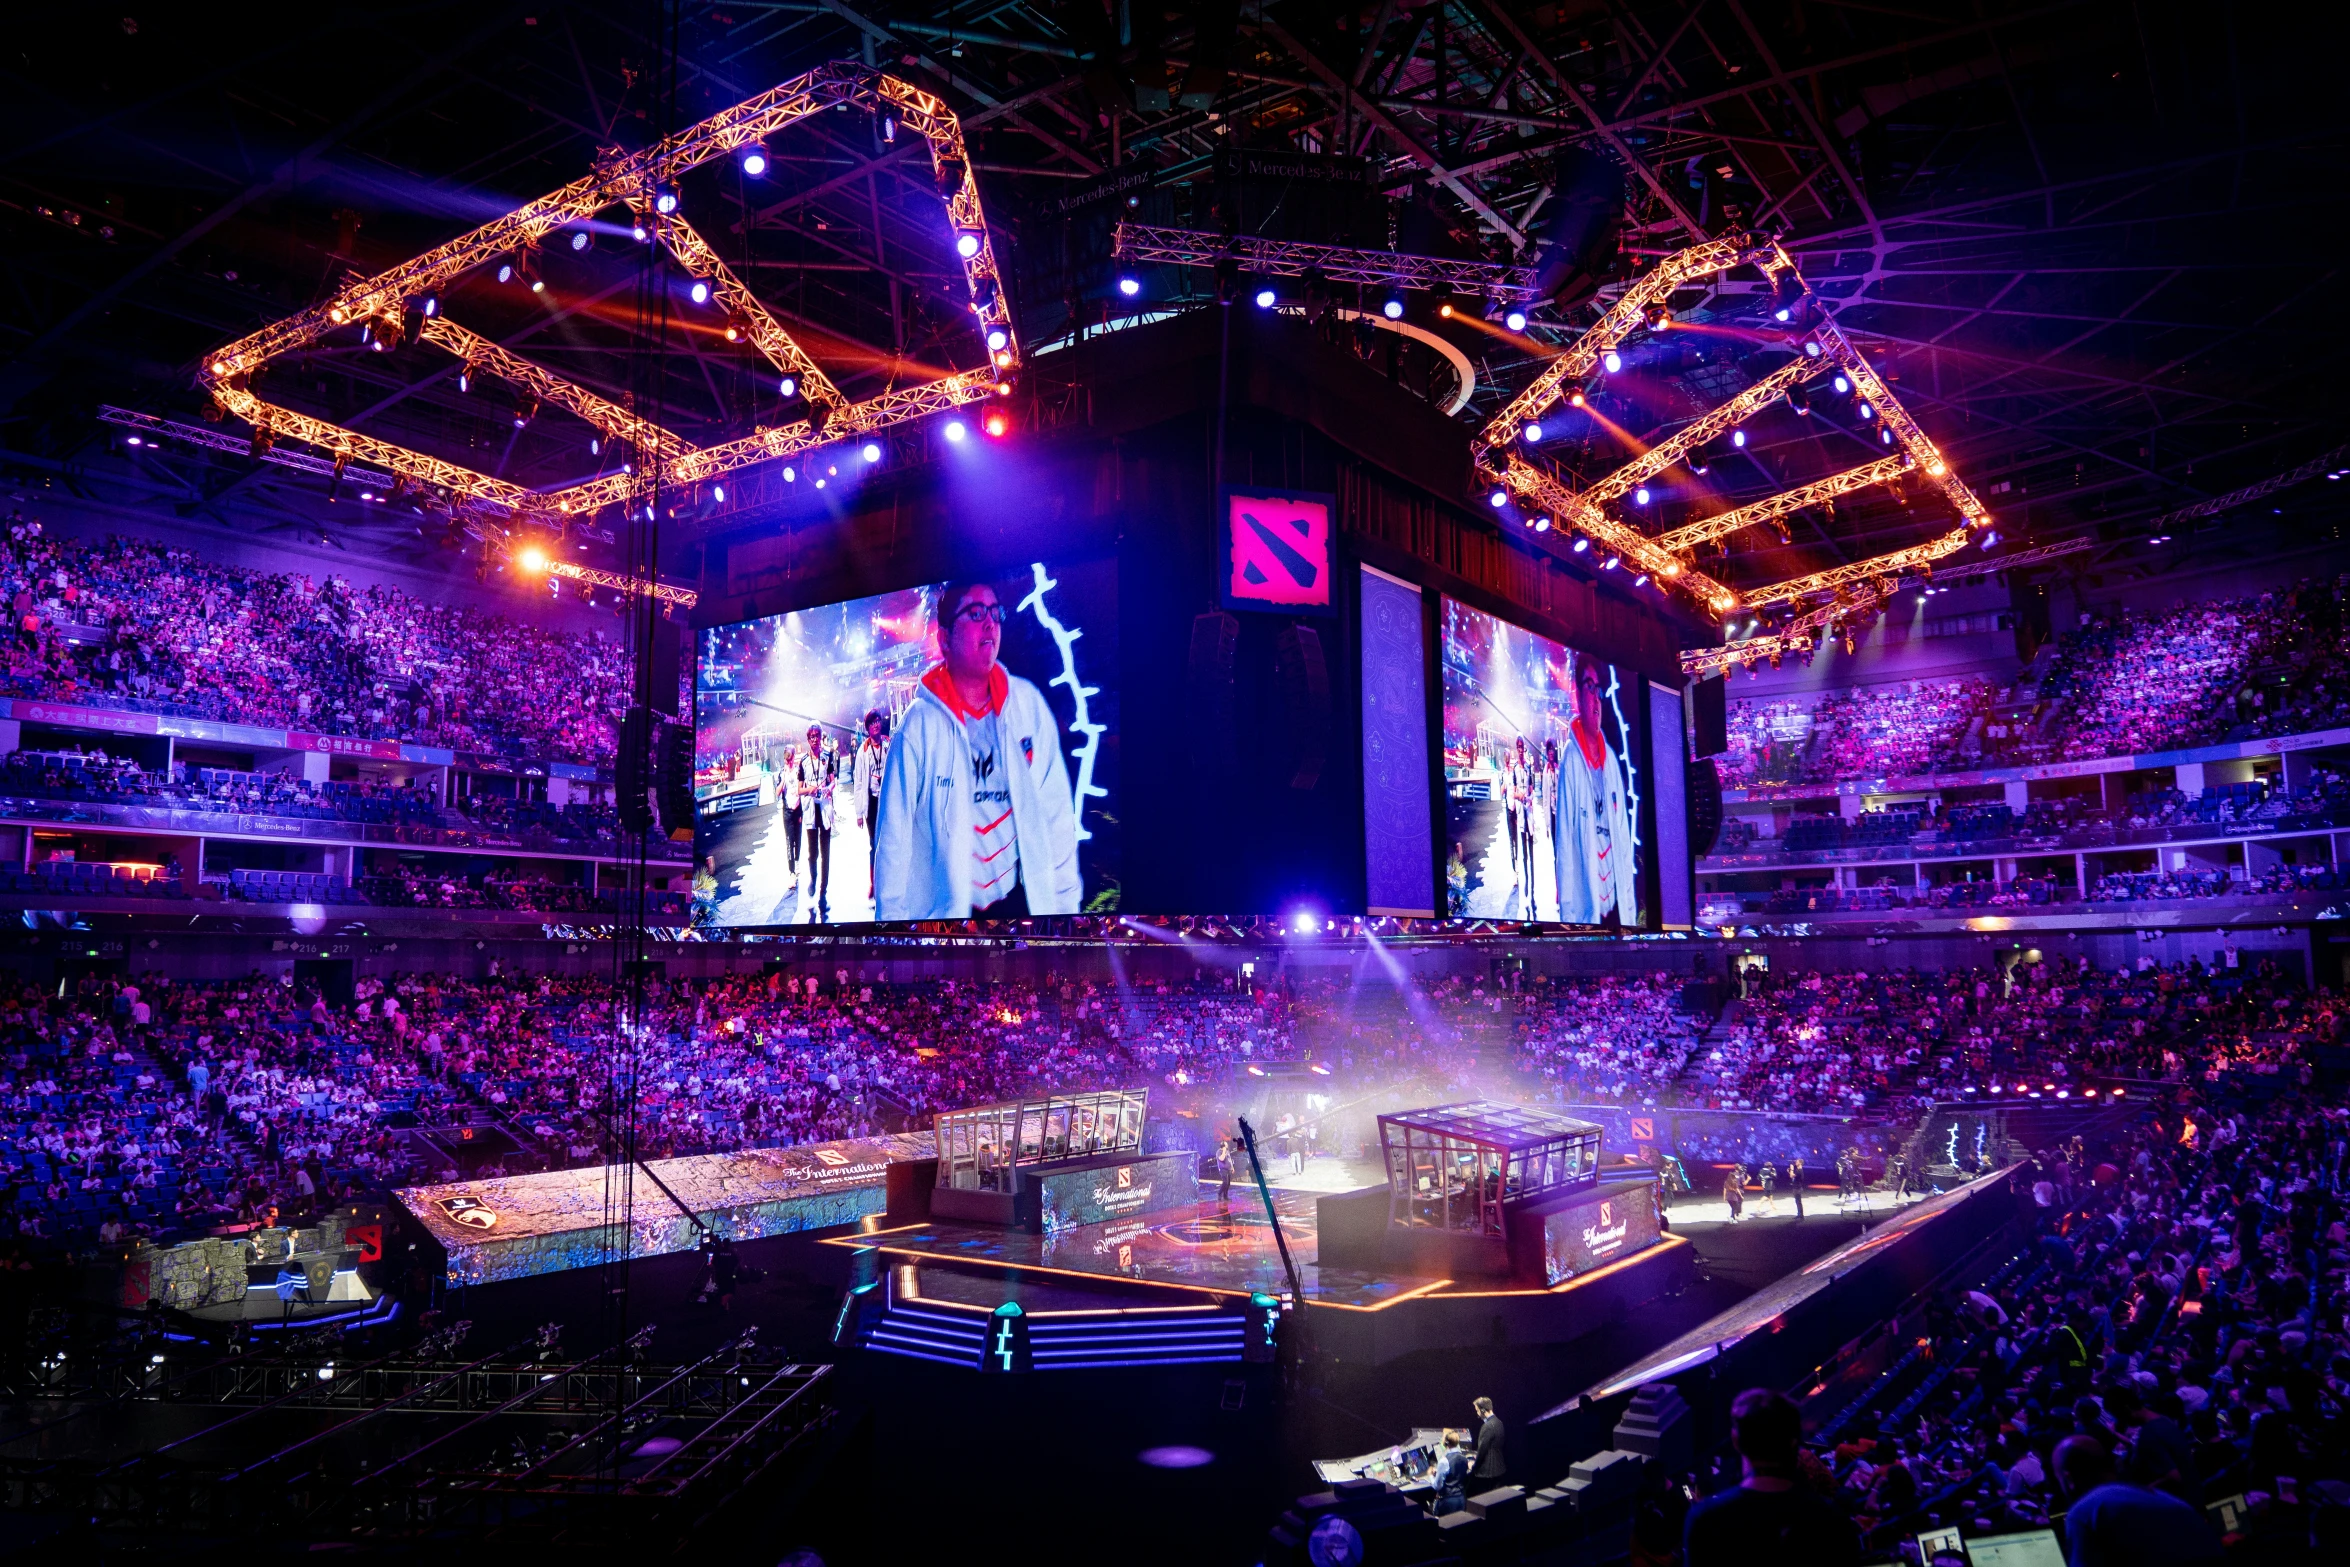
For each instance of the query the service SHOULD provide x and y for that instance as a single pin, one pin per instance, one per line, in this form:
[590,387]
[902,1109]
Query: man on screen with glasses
[1592,834]
[976,815]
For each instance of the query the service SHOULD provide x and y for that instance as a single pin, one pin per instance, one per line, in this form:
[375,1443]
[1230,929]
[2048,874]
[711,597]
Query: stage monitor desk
[1049,1164]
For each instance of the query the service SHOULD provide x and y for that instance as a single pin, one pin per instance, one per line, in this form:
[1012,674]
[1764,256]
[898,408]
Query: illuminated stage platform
[1205,1254]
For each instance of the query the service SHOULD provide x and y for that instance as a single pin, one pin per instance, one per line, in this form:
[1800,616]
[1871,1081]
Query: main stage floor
[1206,1249]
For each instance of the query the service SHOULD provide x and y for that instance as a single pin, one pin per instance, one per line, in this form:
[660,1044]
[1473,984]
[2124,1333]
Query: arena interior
[1410,781]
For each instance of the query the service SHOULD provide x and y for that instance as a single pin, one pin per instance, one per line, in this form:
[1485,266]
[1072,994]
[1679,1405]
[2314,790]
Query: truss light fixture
[997,341]
[1657,316]
[1129,284]
[995,424]
[1533,434]
[1867,412]
[582,239]
[789,386]
[791,475]
[1267,298]
[1799,399]
[1392,305]
[1542,525]
[1640,496]
[754,160]
[871,452]
[647,182]
[718,493]
[699,291]
[429,306]
[1612,362]
[1574,394]
[1843,383]
[968,242]
[956,431]
[505,271]
[1697,460]
[1499,499]
[1812,348]
[1515,320]
[1581,545]
[1738,438]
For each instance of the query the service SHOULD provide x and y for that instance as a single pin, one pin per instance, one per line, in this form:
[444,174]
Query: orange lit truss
[1665,556]
[390,303]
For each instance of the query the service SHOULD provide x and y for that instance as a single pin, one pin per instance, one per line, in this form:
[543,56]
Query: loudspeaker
[632,772]
[1579,237]
[1709,716]
[1304,679]
[1215,640]
[673,779]
[664,655]
[1704,783]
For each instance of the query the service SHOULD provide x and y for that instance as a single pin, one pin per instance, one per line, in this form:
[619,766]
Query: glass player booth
[980,1148]
[1462,1168]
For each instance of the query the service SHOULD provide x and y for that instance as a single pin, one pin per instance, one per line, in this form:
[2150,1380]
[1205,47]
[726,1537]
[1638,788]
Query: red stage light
[997,424]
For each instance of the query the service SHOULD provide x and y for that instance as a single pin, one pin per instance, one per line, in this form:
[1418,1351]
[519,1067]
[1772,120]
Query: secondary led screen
[941,752]
[1543,778]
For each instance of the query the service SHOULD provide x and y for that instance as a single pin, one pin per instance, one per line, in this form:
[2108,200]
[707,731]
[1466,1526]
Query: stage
[1216,1255]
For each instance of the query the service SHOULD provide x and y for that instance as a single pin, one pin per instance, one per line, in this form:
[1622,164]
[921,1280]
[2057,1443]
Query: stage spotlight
[968,242]
[505,271]
[1640,496]
[1697,462]
[1533,433]
[995,424]
[1542,525]
[431,305]
[595,445]
[1786,296]
[526,408]
[1515,320]
[465,378]
[789,386]
[1581,545]
[734,331]
[754,160]
[718,493]
[1129,285]
[1842,385]
[1811,348]
[1499,499]
[639,233]
[997,339]
[1574,394]
[665,200]
[531,558]
[1392,306]
[1611,361]
[1611,563]
[1266,298]
[1799,399]
[1866,412]
[699,293]
[1886,435]
[955,431]
[1657,317]
[1737,437]
[1640,581]
[871,452]
[791,475]
[581,239]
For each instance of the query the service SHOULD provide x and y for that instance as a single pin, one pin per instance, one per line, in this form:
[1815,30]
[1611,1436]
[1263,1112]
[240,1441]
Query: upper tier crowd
[122,622]
[159,1107]
[2124,682]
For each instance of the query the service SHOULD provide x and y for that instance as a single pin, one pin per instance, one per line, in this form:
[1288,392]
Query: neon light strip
[1065,638]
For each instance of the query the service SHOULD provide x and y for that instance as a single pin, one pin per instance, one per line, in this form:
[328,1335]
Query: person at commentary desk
[1491,1469]
[976,815]
[1452,1476]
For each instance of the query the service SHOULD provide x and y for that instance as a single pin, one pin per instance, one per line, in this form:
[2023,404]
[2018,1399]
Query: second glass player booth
[1054,1162]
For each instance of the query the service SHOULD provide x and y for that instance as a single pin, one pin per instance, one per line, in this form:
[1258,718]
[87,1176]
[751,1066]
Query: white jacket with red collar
[923,840]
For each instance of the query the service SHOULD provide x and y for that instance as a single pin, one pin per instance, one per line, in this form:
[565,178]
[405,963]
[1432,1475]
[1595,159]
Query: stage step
[1131,1338]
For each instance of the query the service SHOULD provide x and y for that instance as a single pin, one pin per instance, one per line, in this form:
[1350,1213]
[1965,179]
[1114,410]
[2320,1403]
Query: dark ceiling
[2088,243]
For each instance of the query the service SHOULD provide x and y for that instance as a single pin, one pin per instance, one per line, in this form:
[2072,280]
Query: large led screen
[1543,777]
[941,752]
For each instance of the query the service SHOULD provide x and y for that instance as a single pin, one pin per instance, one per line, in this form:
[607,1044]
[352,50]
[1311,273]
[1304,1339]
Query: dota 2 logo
[1607,1214]
[1125,1176]
[1277,550]
[831,1156]
[471,1212]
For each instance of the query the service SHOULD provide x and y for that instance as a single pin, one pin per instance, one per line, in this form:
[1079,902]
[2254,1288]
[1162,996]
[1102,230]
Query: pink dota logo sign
[1277,551]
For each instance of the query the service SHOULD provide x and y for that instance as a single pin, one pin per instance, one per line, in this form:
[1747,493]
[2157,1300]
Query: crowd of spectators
[2169,1335]
[260,1084]
[2125,682]
[126,623]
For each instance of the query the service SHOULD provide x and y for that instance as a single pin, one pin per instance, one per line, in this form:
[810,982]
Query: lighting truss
[684,598]
[1818,346]
[1144,245]
[388,300]
[1784,504]
[155,429]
